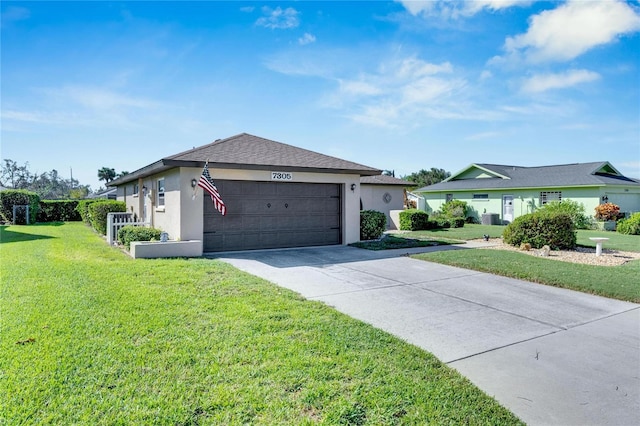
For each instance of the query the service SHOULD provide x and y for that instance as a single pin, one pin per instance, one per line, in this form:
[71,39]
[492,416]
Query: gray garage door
[272,215]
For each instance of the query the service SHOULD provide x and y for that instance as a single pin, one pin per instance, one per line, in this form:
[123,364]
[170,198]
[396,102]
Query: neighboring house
[109,194]
[384,194]
[512,191]
[276,195]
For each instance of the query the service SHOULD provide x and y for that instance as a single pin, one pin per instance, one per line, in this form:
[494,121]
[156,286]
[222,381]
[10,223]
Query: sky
[395,85]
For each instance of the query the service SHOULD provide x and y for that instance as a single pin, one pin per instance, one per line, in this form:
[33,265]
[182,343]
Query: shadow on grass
[12,236]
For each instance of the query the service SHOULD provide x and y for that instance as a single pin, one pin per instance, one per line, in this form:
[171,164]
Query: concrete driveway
[552,356]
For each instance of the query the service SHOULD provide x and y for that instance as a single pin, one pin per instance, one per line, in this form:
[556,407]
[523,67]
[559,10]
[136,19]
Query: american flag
[207,184]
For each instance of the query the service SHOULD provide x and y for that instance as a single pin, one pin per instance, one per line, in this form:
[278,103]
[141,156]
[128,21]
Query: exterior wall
[182,215]
[528,200]
[372,197]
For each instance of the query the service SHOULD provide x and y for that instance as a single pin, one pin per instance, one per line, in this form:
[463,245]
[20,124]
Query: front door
[507,208]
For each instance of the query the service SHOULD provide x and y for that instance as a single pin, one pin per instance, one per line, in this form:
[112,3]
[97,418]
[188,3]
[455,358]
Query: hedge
[128,234]
[372,224]
[83,209]
[11,197]
[58,211]
[630,226]
[414,220]
[540,229]
[98,213]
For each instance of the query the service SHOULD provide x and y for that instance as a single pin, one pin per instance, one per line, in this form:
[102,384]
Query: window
[136,190]
[161,192]
[449,197]
[480,196]
[547,197]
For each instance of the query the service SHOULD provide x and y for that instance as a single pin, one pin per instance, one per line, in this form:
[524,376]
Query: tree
[106,174]
[122,174]
[48,185]
[14,176]
[428,177]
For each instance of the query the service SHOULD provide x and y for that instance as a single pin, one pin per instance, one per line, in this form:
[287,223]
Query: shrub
[630,226]
[455,208]
[414,220]
[570,207]
[98,213]
[457,222]
[372,224]
[128,234]
[58,211]
[607,211]
[83,209]
[20,197]
[539,229]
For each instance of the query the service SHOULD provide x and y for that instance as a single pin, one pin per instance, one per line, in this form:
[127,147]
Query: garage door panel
[273,215]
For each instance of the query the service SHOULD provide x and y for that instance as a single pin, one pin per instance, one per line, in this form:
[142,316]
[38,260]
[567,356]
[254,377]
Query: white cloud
[98,98]
[306,39]
[572,29]
[544,82]
[247,9]
[279,18]
[456,9]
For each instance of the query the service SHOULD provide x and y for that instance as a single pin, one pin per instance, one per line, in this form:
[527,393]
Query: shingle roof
[245,151]
[385,180]
[580,174]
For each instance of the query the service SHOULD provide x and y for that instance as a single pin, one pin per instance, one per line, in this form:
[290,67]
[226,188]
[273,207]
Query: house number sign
[281,176]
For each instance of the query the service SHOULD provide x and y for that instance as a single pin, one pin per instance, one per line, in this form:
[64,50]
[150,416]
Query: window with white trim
[549,196]
[136,190]
[448,197]
[160,197]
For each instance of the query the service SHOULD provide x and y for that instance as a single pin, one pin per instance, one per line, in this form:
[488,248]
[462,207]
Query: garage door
[264,215]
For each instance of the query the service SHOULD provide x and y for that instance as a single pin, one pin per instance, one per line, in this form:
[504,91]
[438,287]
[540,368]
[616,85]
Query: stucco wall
[373,198]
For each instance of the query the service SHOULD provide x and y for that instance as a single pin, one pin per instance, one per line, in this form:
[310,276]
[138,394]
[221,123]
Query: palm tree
[106,174]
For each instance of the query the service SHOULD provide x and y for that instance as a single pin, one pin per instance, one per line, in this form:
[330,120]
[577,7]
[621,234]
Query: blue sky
[394,85]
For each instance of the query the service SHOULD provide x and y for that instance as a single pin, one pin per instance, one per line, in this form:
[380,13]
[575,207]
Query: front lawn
[472,232]
[618,282]
[91,336]
[616,241]
[468,232]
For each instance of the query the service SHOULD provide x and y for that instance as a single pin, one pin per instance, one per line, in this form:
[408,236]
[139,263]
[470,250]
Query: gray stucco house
[511,191]
[276,195]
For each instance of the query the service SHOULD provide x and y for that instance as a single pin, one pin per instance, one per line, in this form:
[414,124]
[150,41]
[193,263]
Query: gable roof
[385,180]
[245,151]
[494,176]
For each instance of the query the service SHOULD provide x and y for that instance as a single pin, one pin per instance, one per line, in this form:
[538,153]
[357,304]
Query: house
[276,195]
[506,192]
[385,194]
[109,194]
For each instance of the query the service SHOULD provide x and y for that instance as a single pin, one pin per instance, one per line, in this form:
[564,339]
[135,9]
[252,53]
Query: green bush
[128,234]
[20,197]
[83,209]
[540,229]
[414,220]
[98,213]
[455,208]
[630,226]
[570,207]
[58,211]
[372,224]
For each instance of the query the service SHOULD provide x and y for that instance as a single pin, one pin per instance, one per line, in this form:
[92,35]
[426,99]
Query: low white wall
[155,249]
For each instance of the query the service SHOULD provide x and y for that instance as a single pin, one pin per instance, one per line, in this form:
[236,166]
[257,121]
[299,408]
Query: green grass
[618,282]
[468,232]
[389,242]
[471,232]
[616,241]
[91,336]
